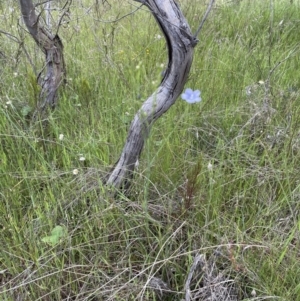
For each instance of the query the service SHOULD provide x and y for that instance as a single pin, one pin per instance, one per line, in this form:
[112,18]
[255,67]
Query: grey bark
[52,46]
[180,42]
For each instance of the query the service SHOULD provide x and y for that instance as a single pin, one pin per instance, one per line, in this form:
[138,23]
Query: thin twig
[21,44]
[119,19]
[65,13]
[204,18]
[41,3]
[10,36]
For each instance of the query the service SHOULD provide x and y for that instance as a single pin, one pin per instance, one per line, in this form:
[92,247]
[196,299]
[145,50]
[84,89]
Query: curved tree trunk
[52,46]
[180,42]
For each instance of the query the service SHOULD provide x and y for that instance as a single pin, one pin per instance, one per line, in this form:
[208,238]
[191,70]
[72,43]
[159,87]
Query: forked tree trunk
[180,42]
[52,46]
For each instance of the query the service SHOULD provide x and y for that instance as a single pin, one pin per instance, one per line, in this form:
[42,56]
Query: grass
[219,179]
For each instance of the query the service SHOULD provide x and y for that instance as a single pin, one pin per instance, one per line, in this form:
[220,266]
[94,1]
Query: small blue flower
[191,96]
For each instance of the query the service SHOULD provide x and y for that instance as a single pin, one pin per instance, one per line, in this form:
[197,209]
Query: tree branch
[180,44]
[52,46]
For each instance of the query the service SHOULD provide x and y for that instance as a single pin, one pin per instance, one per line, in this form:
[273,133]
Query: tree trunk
[180,42]
[52,46]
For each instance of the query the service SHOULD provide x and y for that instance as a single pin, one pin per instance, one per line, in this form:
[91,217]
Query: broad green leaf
[26,110]
[56,234]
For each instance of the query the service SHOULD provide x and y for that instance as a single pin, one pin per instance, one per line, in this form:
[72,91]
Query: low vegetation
[213,211]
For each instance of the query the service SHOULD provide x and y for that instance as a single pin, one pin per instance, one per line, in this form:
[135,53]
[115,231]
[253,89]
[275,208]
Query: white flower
[209,166]
[61,137]
[75,171]
[82,158]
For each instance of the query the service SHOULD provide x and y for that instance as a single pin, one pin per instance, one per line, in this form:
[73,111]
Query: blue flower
[191,96]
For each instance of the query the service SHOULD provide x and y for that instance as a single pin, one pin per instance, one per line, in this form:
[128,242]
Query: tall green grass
[218,178]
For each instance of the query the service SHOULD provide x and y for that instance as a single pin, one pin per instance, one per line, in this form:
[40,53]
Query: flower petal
[188,91]
[190,101]
[185,96]
[197,92]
